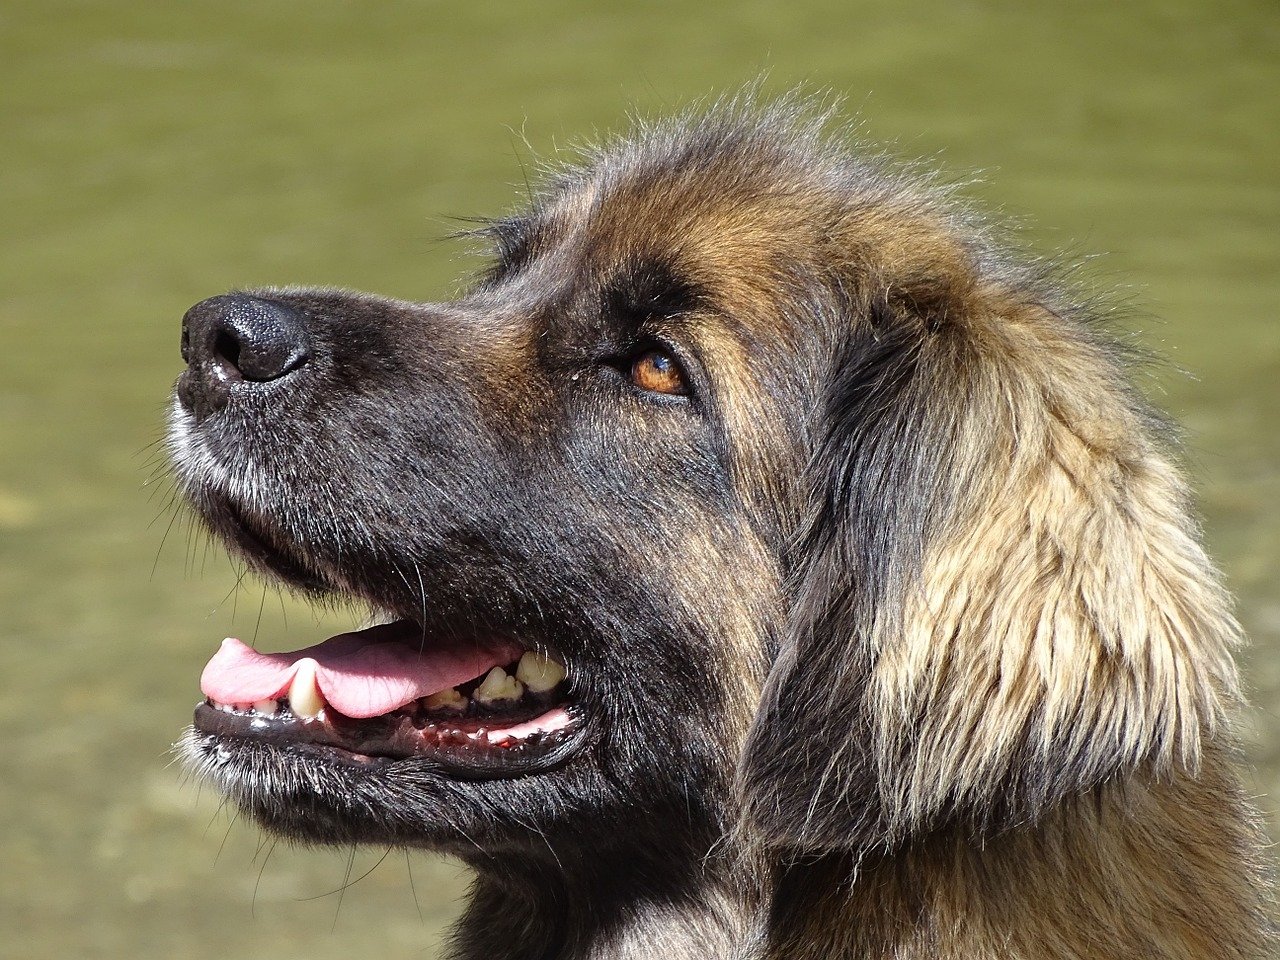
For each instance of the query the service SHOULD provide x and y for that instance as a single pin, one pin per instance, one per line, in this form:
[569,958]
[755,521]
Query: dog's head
[761,447]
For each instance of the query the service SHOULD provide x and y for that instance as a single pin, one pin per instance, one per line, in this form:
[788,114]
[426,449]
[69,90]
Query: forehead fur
[764,209]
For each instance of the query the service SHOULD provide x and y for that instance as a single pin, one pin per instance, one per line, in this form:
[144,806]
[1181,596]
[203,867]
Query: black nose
[238,339]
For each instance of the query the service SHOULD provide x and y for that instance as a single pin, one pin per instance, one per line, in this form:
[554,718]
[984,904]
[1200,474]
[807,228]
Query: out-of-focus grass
[154,154]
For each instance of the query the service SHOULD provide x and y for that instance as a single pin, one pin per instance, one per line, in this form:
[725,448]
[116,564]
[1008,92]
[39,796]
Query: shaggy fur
[895,634]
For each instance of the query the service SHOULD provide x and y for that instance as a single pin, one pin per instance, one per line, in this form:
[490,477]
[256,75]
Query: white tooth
[449,699]
[265,707]
[539,673]
[498,685]
[304,696]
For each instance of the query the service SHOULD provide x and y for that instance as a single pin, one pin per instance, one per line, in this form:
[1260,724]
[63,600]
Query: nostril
[226,351]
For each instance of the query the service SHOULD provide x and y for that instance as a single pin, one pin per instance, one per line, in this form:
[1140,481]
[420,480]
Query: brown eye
[658,372]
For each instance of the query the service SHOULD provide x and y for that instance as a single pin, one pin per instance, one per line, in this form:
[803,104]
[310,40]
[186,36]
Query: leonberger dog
[765,562]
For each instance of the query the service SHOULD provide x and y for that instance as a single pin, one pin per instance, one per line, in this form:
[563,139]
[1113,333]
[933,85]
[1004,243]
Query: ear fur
[998,601]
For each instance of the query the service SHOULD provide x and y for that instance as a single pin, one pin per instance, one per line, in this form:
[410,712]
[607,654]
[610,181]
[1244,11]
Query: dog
[766,564]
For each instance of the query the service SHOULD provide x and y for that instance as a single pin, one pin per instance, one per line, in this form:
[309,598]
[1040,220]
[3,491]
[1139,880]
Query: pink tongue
[362,674]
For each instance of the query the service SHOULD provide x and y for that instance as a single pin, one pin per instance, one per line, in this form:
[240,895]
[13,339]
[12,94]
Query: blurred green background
[154,154]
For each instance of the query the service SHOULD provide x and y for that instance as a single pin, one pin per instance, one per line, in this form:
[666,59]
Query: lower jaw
[457,752]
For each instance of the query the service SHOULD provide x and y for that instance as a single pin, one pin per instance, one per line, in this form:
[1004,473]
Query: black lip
[381,741]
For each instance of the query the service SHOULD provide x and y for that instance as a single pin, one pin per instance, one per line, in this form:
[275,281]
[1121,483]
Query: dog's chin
[315,793]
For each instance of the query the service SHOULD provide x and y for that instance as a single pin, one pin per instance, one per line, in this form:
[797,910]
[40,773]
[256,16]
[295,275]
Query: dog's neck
[1137,863]
[639,900]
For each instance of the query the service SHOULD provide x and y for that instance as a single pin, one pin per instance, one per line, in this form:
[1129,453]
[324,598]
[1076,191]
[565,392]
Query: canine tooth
[449,699]
[265,707]
[538,673]
[304,696]
[498,685]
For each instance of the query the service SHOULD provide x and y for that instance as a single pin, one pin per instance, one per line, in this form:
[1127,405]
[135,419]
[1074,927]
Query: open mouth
[471,708]
[479,710]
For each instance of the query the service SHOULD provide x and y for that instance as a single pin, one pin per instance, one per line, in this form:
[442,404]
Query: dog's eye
[657,371]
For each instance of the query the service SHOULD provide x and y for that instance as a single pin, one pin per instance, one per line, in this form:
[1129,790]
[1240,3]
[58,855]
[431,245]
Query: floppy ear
[998,600]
